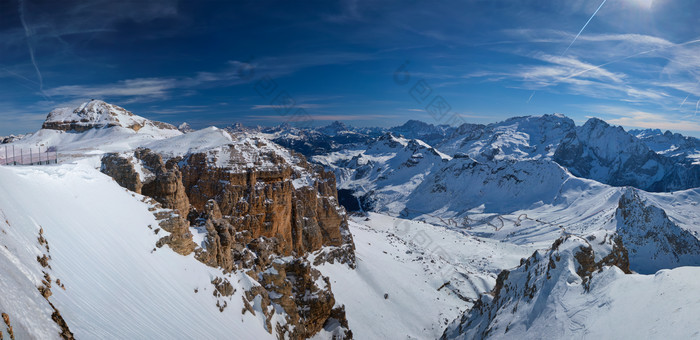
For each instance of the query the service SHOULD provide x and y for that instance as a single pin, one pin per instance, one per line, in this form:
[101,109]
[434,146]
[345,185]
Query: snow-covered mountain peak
[524,300]
[646,132]
[606,153]
[429,133]
[335,128]
[527,137]
[185,128]
[653,240]
[388,143]
[608,141]
[98,114]
[683,148]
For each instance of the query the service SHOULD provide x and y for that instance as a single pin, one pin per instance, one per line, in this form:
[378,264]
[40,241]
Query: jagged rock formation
[302,292]
[653,240]
[530,137]
[98,114]
[610,155]
[681,148]
[122,170]
[253,219]
[185,128]
[429,133]
[522,295]
[164,184]
[266,203]
[11,138]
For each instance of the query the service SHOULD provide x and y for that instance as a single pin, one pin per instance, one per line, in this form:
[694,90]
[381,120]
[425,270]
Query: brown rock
[166,186]
[180,238]
[254,219]
[266,203]
[121,170]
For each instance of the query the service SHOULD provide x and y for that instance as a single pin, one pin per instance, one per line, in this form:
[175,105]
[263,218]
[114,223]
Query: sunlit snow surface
[470,218]
[102,250]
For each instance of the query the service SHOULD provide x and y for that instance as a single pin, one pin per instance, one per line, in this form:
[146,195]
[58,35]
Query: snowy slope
[233,151]
[610,155]
[653,240]
[530,137]
[430,275]
[96,114]
[101,249]
[386,172]
[429,133]
[93,128]
[670,144]
[577,290]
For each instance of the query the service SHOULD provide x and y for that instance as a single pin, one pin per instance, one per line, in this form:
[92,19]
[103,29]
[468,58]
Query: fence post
[14,157]
[5,162]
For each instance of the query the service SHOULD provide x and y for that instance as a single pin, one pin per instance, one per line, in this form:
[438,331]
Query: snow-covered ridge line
[579,288]
[97,114]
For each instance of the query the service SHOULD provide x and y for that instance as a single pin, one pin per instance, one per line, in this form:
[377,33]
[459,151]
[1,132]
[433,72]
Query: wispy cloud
[149,89]
[305,106]
[136,89]
[648,120]
[329,117]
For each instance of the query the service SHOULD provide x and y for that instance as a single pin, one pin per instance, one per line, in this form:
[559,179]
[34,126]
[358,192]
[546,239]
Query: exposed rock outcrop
[267,203]
[520,295]
[304,295]
[610,155]
[653,240]
[122,170]
[253,219]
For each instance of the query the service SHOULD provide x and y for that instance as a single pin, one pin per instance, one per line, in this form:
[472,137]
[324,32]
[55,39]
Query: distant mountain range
[532,227]
[648,160]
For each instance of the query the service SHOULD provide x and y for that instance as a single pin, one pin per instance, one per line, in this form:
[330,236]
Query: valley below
[529,228]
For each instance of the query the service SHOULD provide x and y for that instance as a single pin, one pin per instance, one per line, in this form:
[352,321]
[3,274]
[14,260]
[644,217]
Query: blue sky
[636,63]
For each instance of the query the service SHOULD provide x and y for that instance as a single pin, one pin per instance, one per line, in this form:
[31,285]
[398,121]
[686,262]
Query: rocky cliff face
[164,185]
[681,148]
[653,240]
[262,220]
[610,155]
[521,295]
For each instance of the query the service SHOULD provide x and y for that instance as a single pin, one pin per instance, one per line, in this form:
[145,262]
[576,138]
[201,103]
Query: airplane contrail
[575,38]
[627,57]
[529,99]
[584,26]
[686,98]
[28,35]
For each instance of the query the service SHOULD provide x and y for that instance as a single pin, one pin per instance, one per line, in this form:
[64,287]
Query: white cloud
[330,117]
[145,88]
[648,120]
[305,106]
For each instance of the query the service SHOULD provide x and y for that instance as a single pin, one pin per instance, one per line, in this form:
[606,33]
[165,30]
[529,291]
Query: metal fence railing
[12,155]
